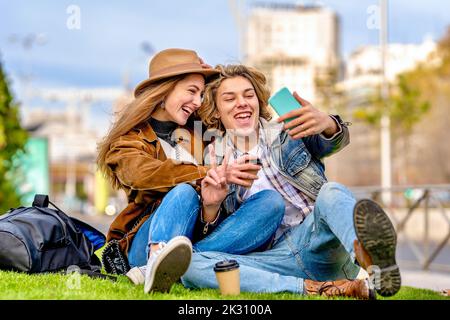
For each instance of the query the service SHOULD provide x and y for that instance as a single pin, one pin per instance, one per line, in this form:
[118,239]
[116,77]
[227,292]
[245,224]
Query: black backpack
[40,239]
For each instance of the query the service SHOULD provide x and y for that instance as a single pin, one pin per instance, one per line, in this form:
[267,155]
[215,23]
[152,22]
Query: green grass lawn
[60,286]
[22,286]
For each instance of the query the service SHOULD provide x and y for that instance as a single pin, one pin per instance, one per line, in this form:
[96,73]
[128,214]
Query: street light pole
[386,170]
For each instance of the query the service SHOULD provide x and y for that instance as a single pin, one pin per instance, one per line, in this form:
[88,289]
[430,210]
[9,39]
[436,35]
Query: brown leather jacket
[146,175]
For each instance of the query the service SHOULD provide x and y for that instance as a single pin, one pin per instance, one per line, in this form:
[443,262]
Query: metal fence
[405,205]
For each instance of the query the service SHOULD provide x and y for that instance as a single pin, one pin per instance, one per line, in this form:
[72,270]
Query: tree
[12,142]
[419,110]
[406,107]
[434,82]
[330,97]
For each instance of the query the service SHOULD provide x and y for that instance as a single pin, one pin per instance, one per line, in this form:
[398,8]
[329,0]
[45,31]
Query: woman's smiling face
[184,99]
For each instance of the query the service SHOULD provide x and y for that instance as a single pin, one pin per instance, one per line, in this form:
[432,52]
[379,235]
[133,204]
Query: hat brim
[208,73]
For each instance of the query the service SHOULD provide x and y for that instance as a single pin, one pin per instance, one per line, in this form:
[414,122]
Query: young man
[326,235]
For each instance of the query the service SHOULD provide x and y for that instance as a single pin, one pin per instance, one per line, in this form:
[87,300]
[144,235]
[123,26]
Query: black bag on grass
[41,239]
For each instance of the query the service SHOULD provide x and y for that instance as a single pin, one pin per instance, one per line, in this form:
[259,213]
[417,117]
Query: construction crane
[237,8]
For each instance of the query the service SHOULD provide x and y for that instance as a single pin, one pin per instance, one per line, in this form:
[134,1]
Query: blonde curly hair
[208,111]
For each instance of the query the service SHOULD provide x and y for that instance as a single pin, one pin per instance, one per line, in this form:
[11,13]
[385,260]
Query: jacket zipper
[205,228]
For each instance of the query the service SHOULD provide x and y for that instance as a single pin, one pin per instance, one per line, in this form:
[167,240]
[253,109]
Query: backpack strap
[40,200]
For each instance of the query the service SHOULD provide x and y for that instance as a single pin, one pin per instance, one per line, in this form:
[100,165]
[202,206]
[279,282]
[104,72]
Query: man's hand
[243,171]
[308,121]
[204,64]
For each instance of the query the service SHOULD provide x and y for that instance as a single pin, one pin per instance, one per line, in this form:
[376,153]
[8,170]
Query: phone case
[283,102]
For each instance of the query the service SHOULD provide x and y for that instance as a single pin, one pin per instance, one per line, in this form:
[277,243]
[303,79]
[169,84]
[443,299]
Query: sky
[107,44]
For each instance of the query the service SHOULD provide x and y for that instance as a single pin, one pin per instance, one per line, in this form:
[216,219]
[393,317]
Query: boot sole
[378,237]
[169,269]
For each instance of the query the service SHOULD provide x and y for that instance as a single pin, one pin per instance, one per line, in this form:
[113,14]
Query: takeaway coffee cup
[227,275]
[254,172]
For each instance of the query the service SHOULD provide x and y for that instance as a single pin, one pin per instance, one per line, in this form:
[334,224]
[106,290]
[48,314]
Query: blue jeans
[321,248]
[247,229]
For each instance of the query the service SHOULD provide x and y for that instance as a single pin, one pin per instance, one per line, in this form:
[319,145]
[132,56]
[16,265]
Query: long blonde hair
[132,116]
[208,112]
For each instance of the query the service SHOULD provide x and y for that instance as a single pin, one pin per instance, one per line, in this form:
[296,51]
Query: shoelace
[161,246]
[153,255]
[328,286]
[333,289]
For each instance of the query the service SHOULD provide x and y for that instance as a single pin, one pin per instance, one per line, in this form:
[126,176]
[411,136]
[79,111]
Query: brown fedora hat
[173,62]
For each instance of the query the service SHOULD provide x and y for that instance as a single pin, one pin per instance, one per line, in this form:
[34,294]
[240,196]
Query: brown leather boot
[362,256]
[375,247]
[340,288]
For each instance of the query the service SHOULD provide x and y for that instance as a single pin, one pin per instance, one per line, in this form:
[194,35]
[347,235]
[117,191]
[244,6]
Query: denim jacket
[299,161]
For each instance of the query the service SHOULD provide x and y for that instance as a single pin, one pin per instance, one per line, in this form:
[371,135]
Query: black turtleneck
[164,130]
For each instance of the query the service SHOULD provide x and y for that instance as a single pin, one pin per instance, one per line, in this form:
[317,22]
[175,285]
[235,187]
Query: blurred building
[293,45]
[72,147]
[359,163]
[297,46]
[72,152]
[363,69]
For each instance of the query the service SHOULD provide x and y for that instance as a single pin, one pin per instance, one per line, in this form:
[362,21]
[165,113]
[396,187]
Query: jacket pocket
[295,157]
[312,176]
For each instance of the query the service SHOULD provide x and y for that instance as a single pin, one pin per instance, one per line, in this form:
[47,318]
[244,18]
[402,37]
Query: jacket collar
[147,133]
[271,129]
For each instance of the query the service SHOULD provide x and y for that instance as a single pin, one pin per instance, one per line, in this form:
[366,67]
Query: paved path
[436,281]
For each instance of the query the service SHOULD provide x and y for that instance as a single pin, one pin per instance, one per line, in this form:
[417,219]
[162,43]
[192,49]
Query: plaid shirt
[297,198]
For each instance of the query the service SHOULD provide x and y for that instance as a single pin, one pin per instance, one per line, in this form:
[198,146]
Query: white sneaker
[137,275]
[167,264]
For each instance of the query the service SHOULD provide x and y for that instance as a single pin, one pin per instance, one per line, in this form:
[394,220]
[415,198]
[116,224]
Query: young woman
[136,157]
[154,154]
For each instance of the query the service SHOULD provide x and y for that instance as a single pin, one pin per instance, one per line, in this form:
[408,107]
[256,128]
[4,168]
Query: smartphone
[283,102]
[257,162]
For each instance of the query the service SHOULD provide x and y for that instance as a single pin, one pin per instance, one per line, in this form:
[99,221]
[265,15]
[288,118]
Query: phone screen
[283,102]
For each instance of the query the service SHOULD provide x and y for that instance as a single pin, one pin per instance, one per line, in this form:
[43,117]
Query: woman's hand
[214,185]
[308,121]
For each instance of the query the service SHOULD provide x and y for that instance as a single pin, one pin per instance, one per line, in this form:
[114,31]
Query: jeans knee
[331,186]
[181,202]
[274,201]
[331,196]
[184,189]
[329,191]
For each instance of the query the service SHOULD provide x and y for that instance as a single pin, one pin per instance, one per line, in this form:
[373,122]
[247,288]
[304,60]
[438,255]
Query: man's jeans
[321,248]
[246,230]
